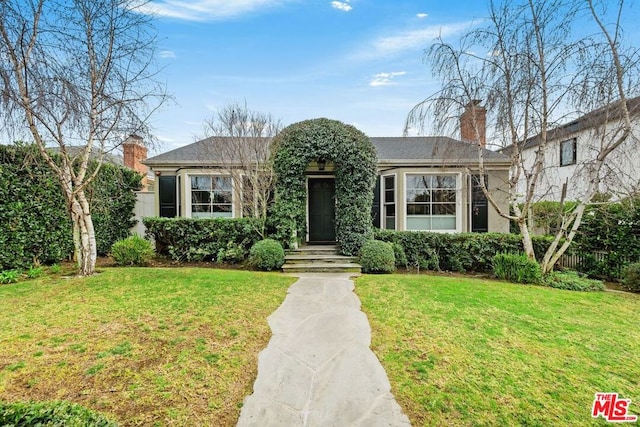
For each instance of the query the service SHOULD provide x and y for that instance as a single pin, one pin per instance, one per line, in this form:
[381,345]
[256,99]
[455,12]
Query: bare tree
[78,74]
[240,142]
[534,70]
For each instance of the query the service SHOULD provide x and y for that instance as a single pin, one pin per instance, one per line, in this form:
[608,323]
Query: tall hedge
[204,239]
[457,252]
[35,223]
[354,158]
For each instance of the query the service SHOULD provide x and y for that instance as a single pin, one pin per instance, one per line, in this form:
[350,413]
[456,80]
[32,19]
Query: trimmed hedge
[53,414]
[134,250]
[267,254]
[631,277]
[33,214]
[377,257]
[204,239]
[464,252]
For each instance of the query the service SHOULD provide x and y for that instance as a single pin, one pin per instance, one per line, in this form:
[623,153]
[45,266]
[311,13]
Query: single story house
[424,183]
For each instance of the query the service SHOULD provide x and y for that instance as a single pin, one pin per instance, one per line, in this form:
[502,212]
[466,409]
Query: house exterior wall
[620,176]
[497,181]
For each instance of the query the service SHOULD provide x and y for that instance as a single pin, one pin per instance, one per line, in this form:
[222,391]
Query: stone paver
[318,369]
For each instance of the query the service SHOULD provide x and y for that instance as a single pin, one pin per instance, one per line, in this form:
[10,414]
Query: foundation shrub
[377,257]
[204,239]
[464,252]
[267,254]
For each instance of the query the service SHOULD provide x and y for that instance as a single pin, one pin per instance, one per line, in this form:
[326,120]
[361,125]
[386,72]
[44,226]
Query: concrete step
[322,268]
[311,259]
[315,250]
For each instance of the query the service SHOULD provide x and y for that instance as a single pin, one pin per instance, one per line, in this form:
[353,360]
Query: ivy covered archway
[354,159]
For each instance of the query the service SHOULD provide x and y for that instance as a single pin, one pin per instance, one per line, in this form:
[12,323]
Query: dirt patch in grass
[149,346]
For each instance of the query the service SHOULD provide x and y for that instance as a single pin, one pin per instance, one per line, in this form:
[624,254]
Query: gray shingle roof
[404,150]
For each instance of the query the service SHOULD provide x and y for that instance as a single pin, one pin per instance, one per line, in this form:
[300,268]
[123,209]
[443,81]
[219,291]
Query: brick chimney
[134,153]
[473,123]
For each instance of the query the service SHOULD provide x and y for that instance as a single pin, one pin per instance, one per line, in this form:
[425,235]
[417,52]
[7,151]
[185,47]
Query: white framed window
[432,202]
[211,196]
[568,150]
[389,202]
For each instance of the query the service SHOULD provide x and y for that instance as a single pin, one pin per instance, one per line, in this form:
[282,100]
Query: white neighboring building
[573,146]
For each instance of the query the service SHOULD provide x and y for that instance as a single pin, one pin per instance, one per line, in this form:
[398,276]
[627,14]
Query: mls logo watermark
[612,408]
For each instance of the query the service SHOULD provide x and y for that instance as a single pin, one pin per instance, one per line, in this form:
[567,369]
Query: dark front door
[322,210]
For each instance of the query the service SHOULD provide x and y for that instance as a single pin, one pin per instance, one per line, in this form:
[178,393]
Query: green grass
[151,346]
[462,351]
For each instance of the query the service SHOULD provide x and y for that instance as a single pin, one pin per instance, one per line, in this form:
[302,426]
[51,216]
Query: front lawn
[151,346]
[463,351]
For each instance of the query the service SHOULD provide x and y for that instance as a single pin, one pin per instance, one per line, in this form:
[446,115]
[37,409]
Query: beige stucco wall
[497,181]
[497,184]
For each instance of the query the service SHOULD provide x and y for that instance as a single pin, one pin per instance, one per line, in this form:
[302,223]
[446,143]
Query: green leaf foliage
[464,252]
[632,277]
[267,254]
[354,159]
[53,414]
[203,239]
[134,250]
[516,268]
[36,225]
[377,257]
[572,281]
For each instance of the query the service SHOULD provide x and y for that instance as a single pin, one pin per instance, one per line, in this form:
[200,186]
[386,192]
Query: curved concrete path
[318,369]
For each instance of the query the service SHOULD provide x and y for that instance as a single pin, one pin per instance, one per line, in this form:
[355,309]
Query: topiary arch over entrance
[354,159]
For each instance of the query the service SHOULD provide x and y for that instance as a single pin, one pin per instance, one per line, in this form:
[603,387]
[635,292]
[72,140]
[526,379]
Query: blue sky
[357,61]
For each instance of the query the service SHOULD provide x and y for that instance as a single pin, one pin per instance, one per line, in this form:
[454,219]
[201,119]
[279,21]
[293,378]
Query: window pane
[390,210]
[419,223]
[200,183]
[444,196]
[418,181]
[389,183]
[390,223]
[222,183]
[200,197]
[389,196]
[418,209]
[444,209]
[222,197]
[443,223]
[445,181]
[222,208]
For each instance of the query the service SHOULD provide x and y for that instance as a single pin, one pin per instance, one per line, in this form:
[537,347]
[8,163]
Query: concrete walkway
[318,370]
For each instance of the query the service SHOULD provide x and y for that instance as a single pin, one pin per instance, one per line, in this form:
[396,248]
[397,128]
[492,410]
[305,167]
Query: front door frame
[308,177]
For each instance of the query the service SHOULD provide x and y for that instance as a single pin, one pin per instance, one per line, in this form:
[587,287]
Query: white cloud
[340,5]
[421,15]
[204,10]
[167,54]
[385,79]
[409,40]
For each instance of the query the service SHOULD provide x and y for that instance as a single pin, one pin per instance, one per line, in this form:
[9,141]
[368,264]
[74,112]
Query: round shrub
[516,268]
[266,255]
[377,256]
[55,414]
[133,250]
[631,277]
